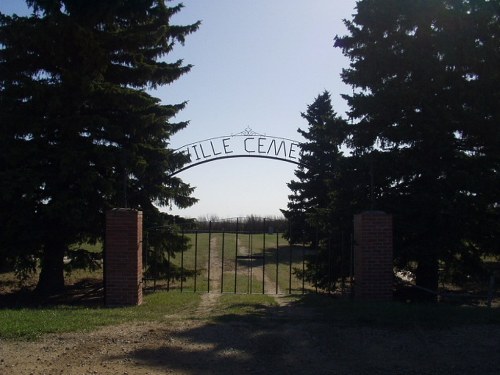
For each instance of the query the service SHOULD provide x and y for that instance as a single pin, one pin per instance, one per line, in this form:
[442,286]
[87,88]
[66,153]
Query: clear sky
[257,64]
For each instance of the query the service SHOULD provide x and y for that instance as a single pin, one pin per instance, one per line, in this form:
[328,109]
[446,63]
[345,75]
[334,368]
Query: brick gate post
[373,262]
[123,257]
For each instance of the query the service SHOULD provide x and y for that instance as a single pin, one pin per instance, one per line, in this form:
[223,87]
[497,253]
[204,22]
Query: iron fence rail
[236,261]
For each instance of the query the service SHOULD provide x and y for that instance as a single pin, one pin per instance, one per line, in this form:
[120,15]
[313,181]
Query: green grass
[194,258]
[32,323]
[288,282]
[244,284]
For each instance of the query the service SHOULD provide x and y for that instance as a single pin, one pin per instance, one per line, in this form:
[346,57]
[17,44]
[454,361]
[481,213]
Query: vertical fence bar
[250,268]
[209,253]
[290,269]
[182,261]
[195,259]
[155,268]
[351,265]
[342,255]
[236,258]
[264,258]
[145,265]
[303,268]
[330,256]
[290,258]
[222,265]
[168,270]
[318,260]
[277,259]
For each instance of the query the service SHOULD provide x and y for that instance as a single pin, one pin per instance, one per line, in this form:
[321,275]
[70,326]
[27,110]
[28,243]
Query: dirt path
[258,273]
[209,300]
[285,341]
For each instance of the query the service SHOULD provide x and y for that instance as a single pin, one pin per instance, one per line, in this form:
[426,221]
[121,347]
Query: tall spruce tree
[79,132]
[426,103]
[310,192]
[330,187]
[313,189]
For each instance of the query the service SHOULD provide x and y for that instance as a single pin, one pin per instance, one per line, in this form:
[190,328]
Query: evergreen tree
[320,151]
[321,205]
[79,132]
[426,102]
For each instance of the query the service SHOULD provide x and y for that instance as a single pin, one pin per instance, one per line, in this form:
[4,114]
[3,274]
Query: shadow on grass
[87,293]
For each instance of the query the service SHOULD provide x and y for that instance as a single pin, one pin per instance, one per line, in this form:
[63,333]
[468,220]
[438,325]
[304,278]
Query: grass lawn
[30,323]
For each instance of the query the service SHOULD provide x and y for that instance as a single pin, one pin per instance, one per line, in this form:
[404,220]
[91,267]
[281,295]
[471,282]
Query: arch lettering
[245,144]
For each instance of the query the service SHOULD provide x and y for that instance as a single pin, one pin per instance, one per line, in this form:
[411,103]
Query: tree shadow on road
[269,339]
[307,335]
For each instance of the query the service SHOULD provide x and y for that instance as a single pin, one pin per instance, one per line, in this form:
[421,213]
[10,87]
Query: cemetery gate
[243,255]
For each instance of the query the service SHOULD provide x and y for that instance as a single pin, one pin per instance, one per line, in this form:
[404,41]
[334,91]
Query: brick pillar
[373,263]
[123,257]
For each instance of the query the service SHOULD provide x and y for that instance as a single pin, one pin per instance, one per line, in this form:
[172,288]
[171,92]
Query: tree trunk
[51,280]
[427,275]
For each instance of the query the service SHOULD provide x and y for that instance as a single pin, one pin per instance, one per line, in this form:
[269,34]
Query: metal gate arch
[246,144]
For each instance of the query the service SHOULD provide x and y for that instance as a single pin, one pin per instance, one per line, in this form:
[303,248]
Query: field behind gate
[239,263]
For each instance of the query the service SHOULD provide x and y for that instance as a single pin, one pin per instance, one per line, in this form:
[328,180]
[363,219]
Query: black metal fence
[242,256]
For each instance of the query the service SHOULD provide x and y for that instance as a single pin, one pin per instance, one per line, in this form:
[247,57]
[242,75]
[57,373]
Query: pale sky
[257,64]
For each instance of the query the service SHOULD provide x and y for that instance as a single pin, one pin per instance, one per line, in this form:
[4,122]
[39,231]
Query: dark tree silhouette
[426,104]
[79,131]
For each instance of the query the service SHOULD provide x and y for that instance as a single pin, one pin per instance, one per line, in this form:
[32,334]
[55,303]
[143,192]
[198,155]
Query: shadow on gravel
[267,340]
[315,335]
